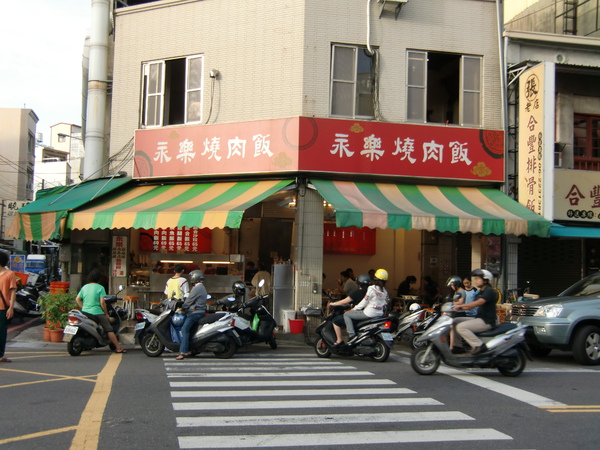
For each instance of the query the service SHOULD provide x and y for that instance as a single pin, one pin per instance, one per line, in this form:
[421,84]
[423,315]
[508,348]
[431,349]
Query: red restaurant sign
[303,144]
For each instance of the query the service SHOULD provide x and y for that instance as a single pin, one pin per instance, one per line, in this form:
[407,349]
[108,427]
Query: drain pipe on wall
[95,158]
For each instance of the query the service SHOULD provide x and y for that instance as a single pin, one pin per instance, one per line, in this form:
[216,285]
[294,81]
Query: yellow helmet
[381,274]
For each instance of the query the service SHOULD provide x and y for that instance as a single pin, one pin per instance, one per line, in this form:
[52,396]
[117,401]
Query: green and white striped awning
[204,205]
[45,218]
[410,207]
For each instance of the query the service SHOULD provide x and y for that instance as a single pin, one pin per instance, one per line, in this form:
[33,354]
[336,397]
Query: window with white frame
[352,77]
[172,91]
[443,88]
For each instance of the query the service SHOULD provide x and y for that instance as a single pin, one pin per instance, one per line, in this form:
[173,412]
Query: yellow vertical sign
[531,138]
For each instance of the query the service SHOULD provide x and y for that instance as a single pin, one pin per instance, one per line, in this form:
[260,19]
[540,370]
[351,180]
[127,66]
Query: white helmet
[483,273]
[414,307]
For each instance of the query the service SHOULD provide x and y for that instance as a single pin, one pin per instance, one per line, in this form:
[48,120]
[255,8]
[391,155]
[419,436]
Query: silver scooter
[213,333]
[83,332]
[507,350]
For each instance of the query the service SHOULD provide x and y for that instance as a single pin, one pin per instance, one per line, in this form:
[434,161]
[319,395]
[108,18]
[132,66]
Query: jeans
[349,318]
[190,321]
[3,332]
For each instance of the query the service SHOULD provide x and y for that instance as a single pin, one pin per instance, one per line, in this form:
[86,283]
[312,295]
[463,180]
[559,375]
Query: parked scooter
[507,350]
[253,322]
[408,323]
[373,338]
[26,302]
[213,333]
[83,332]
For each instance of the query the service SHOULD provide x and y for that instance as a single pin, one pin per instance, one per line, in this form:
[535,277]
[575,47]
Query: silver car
[569,321]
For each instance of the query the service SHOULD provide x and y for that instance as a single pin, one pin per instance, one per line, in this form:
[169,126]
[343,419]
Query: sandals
[5,360]
[183,356]
[122,351]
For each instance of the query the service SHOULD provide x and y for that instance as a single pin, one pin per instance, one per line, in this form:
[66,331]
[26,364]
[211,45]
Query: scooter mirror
[120,287]
[261,283]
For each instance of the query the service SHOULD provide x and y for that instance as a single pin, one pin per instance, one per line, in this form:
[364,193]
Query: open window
[443,88]
[172,91]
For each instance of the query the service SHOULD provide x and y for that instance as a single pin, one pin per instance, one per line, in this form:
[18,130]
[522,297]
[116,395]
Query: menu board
[177,240]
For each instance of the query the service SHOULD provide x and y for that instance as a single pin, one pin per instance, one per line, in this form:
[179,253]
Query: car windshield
[588,287]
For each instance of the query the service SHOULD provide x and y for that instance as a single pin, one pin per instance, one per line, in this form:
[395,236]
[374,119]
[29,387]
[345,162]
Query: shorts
[104,323]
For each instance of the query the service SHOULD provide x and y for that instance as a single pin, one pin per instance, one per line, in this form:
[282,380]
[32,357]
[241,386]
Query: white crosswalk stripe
[291,400]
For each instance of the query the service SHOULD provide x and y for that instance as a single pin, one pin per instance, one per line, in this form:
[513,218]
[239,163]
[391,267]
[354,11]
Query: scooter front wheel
[75,346]
[322,349]
[425,360]
[152,346]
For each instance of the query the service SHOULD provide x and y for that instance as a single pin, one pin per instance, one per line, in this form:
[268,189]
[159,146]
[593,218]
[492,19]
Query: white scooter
[83,332]
[507,350]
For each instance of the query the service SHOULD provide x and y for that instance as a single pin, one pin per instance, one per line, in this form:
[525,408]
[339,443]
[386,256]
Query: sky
[41,44]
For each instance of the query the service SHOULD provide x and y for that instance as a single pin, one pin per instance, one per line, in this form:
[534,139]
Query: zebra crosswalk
[292,400]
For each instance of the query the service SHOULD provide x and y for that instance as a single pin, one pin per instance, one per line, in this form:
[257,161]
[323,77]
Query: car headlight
[549,311]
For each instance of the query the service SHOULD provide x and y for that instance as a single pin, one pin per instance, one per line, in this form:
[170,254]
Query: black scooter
[373,338]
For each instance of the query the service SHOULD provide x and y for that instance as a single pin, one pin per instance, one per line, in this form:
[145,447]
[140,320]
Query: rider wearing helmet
[354,299]
[485,319]
[458,293]
[195,307]
[372,305]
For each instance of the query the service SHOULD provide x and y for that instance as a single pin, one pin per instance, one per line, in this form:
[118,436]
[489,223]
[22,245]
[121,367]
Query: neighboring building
[17,148]
[69,138]
[553,59]
[52,168]
[388,118]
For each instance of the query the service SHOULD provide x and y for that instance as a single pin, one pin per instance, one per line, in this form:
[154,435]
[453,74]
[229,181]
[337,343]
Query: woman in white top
[372,305]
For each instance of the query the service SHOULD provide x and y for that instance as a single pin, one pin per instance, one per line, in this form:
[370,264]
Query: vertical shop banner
[536,138]
[577,195]
[119,256]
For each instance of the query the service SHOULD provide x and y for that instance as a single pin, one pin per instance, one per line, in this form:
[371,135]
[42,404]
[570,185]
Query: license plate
[70,329]
[387,336]
[140,326]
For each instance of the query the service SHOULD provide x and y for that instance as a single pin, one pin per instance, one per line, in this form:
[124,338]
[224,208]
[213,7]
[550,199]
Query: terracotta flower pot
[47,334]
[56,335]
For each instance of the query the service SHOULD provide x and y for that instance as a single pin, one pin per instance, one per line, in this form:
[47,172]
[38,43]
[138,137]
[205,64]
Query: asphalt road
[287,398]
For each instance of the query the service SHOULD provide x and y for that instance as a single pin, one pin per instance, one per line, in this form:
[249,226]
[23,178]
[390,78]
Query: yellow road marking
[26,383]
[88,430]
[36,435]
[572,408]
[58,377]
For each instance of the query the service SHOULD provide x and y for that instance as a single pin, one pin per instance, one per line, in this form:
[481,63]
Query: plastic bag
[255,322]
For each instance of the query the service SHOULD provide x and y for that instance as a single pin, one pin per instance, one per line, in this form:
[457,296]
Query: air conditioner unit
[391,5]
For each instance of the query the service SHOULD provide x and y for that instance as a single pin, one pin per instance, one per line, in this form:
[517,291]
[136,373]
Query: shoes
[338,344]
[458,350]
[5,360]
[481,349]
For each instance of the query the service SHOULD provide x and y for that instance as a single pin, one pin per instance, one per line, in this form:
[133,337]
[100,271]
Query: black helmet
[363,280]
[239,288]
[196,276]
[455,280]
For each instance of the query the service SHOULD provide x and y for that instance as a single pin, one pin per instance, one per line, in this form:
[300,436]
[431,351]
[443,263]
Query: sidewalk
[34,336]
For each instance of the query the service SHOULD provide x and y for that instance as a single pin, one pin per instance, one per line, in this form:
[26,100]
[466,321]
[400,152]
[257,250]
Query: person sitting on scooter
[459,297]
[195,307]
[371,306]
[91,300]
[355,298]
[485,320]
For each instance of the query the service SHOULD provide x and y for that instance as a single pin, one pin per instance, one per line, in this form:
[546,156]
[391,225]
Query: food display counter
[220,272]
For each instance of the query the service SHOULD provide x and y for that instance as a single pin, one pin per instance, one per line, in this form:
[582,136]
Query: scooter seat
[500,329]
[210,318]
[372,320]
[91,317]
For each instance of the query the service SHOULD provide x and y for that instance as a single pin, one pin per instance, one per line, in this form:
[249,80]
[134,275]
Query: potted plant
[54,310]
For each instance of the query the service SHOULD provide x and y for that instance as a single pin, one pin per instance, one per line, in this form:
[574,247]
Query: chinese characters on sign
[531,139]
[119,256]
[321,145]
[183,239]
[577,196]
